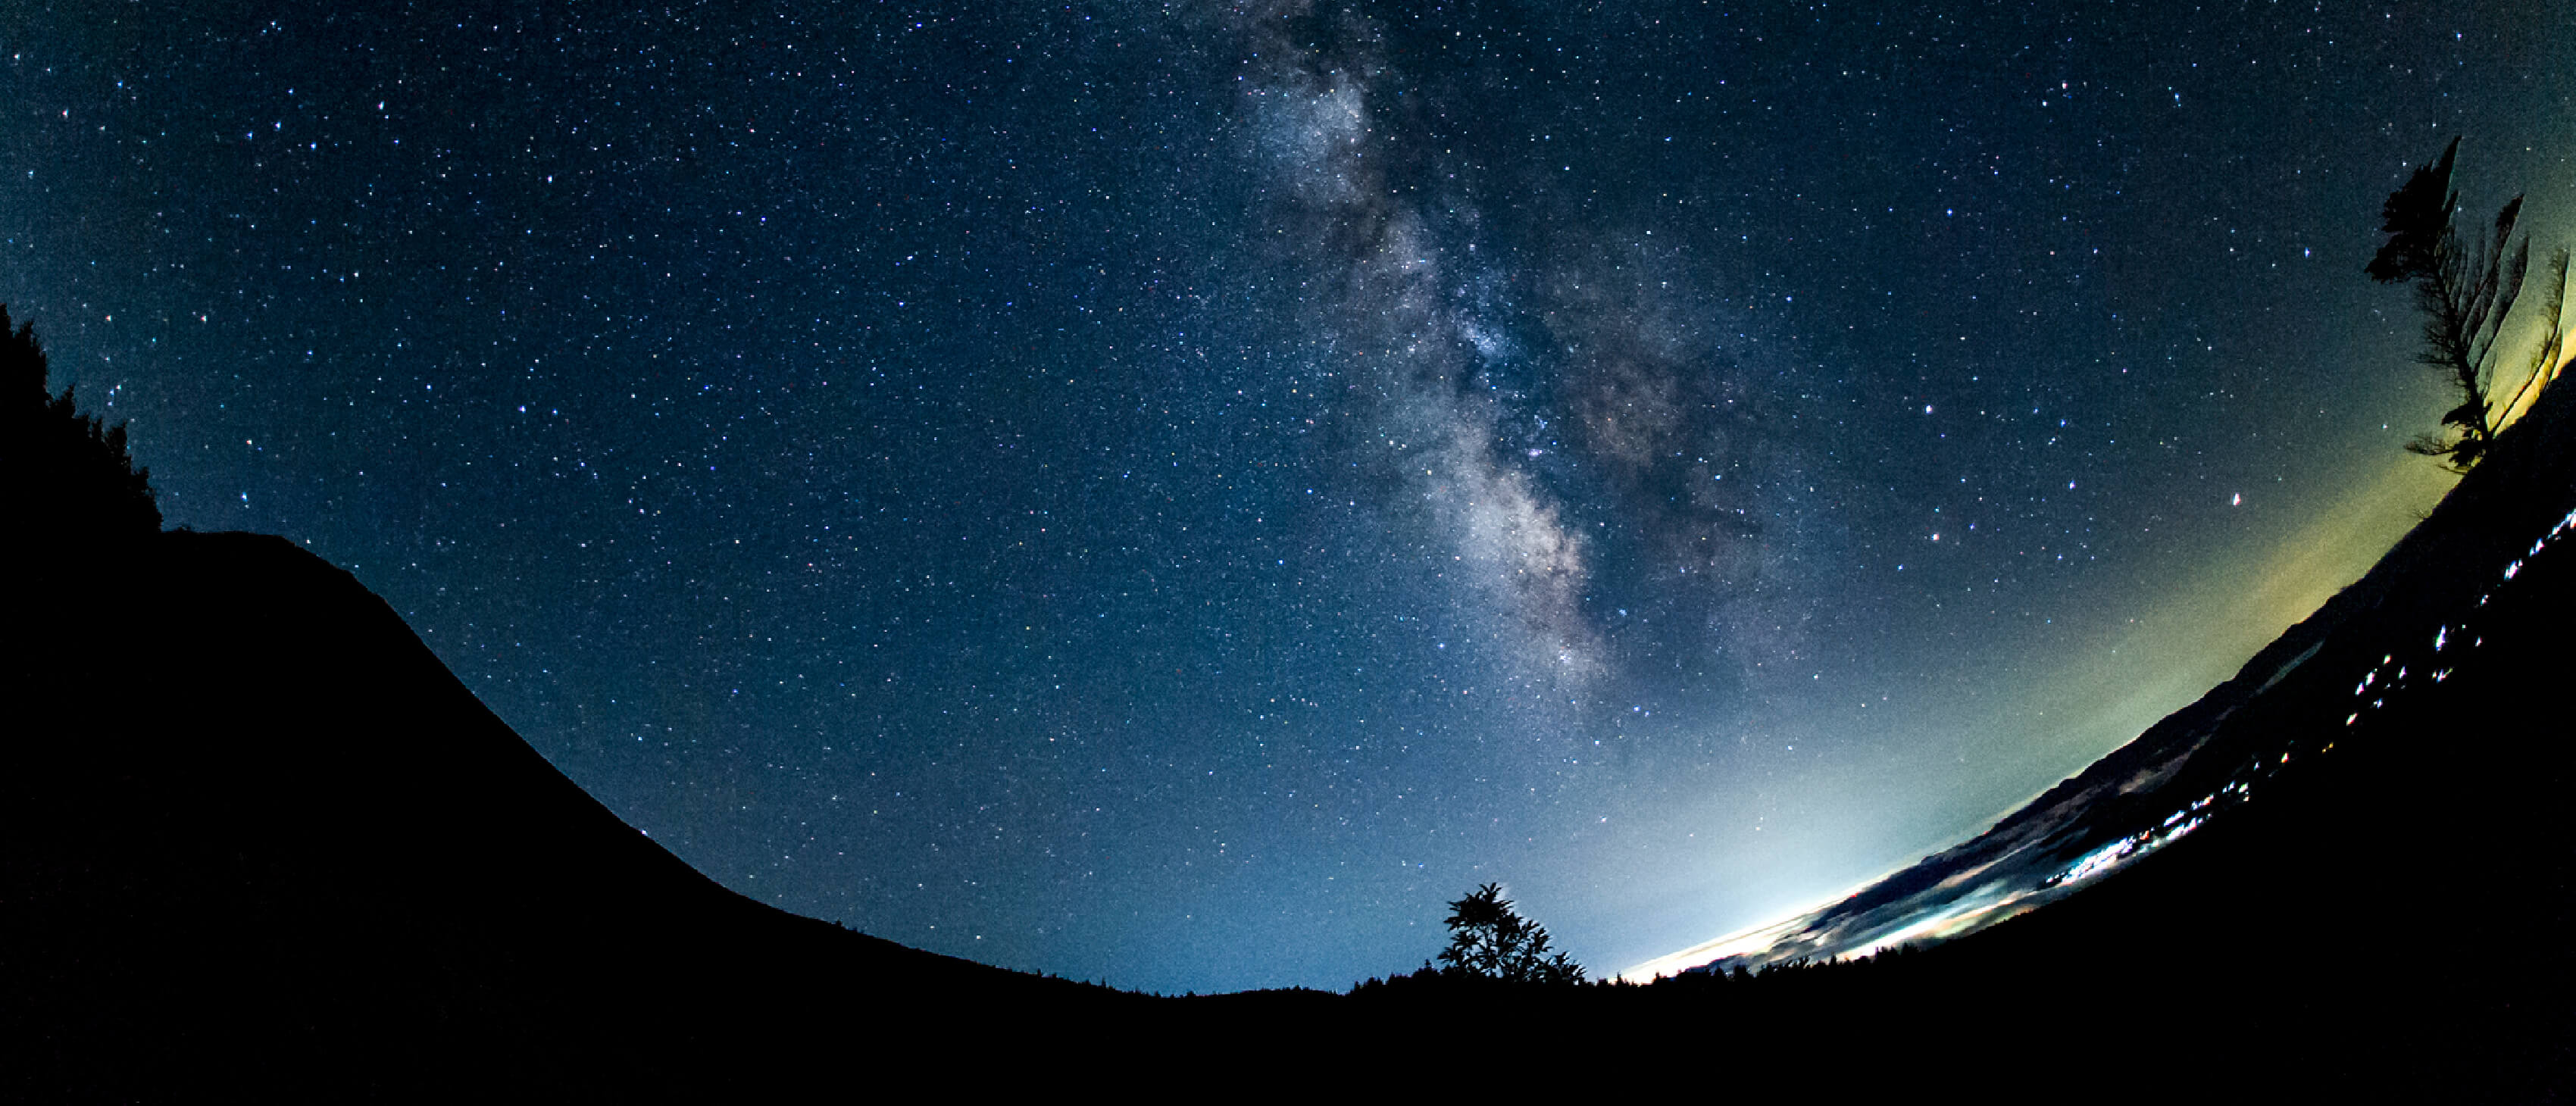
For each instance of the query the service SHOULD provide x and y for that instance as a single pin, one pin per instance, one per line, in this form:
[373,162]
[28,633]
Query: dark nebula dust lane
[1175,494]
[1547,417]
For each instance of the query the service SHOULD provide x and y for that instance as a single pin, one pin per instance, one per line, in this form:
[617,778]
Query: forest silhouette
[70,480]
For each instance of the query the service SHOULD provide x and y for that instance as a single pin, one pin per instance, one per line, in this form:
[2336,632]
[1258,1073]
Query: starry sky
[1174,493]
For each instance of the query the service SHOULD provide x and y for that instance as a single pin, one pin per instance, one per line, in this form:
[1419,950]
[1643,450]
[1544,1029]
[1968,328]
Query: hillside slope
[2347,869]
[260,836]
[261,844]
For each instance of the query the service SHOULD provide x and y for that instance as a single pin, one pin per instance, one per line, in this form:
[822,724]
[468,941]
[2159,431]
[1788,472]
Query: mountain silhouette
[260,836]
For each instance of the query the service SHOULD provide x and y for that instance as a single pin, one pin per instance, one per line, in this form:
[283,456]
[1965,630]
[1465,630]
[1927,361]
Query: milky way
[1175,494]
[1545,407]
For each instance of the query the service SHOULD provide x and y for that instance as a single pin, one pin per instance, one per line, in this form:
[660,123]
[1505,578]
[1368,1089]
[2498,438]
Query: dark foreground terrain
[259,844]
[258,836]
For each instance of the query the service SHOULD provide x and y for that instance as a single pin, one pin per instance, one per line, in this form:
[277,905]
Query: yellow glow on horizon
[2343,541]
[2540,229]
[2198,634]
[2518,402]
[2206,626]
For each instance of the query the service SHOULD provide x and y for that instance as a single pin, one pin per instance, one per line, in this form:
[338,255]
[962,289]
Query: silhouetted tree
[2465,285]
[2550,357]
[1490,940]
[69,478]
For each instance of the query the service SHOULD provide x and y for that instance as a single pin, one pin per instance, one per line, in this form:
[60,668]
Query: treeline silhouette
[1440,984]
[71,482]
[258,843]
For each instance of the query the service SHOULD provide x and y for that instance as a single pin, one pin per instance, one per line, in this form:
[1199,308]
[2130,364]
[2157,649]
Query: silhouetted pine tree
[70,482]
[2465,285]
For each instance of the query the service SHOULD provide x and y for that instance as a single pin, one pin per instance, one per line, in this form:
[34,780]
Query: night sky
[1173,494]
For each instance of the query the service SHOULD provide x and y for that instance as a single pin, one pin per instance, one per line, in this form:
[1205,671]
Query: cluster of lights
[2564,525]
[2385,682]
[2442,638]
[2141,843]
[2377,686]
